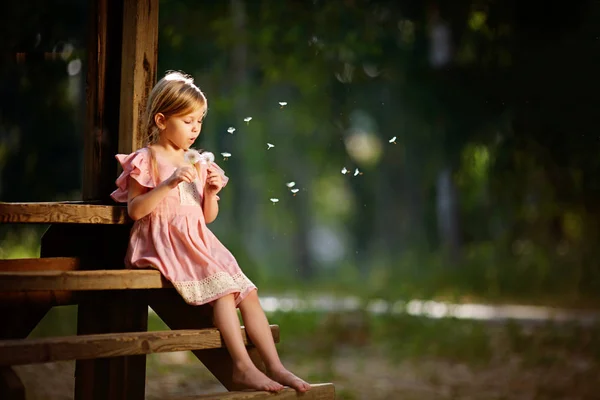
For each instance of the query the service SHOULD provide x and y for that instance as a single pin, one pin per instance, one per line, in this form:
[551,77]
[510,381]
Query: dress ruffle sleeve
[137,166]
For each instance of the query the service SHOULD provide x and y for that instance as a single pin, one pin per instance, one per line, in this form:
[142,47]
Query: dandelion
[269,145]
[344,171]
[294,191]
[290,184]
[247,120]
[283,103]
[207,158]
[393,140]
[231,129]
[357,172]
[192,156]
[226,155]
[273,200]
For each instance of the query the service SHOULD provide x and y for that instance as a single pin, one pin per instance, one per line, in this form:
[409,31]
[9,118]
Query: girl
[171,201]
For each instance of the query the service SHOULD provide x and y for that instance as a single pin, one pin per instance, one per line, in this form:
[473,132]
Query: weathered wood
[138,71]
[103,85]
[322,391]
[11,281]
[11,387]
[35,351]
[115,378]
[38,298]
[177,314]
[40,264]
[63,213]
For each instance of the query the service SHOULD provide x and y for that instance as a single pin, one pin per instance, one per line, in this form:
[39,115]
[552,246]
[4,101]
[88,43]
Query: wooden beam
[322,391]
[35,351]
[103,85]
[115,378]
[63,212]
[39,298]
[138,70]
[12,281]
[40,264]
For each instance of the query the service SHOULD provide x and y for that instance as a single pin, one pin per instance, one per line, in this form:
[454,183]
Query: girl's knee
[228,298]
[251,298]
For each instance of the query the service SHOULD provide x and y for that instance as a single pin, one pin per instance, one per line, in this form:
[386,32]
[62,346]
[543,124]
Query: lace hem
[213,287]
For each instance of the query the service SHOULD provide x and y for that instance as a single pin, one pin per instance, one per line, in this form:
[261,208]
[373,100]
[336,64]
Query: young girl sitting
[171,200]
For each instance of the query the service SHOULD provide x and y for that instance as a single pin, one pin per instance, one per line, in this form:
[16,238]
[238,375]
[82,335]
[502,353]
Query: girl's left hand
[214,183]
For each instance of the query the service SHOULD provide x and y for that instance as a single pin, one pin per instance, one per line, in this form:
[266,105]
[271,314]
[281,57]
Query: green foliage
[511,116]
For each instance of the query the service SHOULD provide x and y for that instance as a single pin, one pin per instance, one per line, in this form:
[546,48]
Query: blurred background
[442,242]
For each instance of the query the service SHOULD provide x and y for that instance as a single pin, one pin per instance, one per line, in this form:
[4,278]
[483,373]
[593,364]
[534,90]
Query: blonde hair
[174,95]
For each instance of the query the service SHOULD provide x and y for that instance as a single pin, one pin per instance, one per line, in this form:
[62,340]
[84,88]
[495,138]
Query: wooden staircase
[28,289]
[82,252]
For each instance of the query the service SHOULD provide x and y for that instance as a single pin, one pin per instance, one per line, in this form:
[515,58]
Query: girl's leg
[244,371]
[257,327]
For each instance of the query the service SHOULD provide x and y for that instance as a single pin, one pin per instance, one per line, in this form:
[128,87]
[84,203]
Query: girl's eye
[188,122]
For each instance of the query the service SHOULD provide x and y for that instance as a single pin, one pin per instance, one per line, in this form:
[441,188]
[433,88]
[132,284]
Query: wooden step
[15,281]
[38,297]
[321,391]
[64,212]
[81,347]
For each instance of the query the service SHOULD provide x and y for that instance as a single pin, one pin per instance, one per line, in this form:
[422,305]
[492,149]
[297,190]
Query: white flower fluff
[193,156]
[207,157]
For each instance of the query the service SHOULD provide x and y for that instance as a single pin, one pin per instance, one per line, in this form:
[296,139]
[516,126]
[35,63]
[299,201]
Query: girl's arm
[210,207]
[141,201]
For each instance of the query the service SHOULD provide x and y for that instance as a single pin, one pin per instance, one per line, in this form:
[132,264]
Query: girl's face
[181,130]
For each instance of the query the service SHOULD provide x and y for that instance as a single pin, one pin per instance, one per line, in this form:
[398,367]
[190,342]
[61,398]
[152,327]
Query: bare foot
[286,378]
[252,378]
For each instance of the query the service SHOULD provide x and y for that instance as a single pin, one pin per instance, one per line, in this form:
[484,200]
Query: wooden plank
[115,378]
[11,281]
[38,298]
[11,387]
[103,84]
[321,391]
[63,213]
[35,351]
[40,264]
[177,314]
[138,71]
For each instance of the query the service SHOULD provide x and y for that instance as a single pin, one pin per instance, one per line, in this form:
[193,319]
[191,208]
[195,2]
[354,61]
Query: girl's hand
[214,183]
[187,173]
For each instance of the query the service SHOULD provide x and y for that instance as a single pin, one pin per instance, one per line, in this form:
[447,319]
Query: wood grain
[322,391]
[35,351]
[14,281]
[138,70]
[63,213]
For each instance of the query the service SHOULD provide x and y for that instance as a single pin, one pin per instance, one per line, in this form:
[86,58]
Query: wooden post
[116,378]
[103,82]
[138,71]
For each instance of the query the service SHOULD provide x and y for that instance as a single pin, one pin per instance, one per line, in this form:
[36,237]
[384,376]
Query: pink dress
[174,238]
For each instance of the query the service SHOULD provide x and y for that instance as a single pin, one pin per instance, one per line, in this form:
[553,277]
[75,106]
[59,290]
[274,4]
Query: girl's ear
[160,120]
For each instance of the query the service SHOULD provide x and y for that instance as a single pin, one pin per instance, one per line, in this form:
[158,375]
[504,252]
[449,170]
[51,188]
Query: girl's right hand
[187,173]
